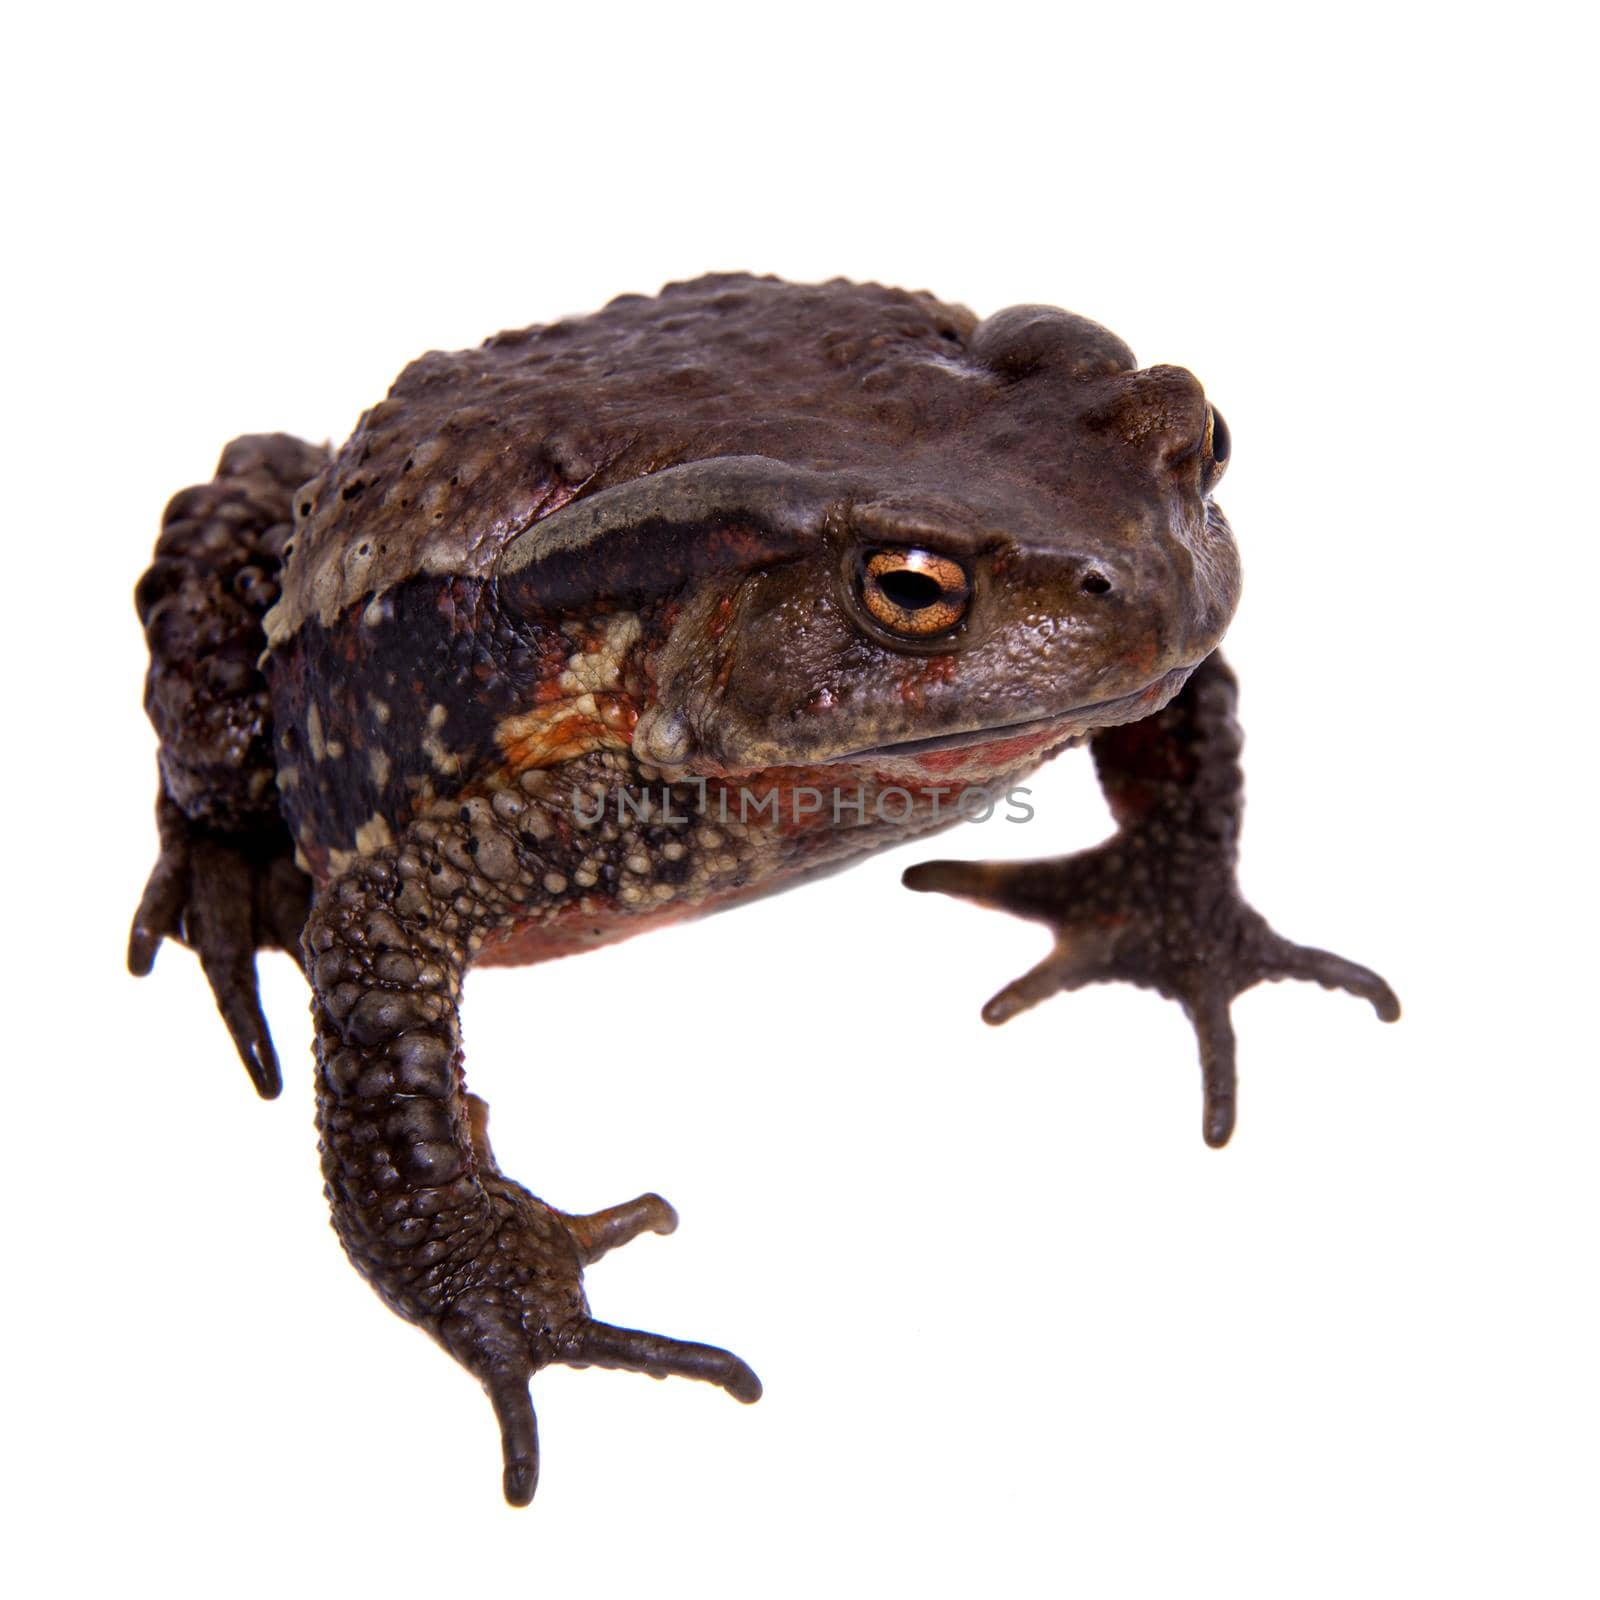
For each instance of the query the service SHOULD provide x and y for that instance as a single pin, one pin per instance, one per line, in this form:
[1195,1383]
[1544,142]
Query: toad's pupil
[1221,442]
[911,591]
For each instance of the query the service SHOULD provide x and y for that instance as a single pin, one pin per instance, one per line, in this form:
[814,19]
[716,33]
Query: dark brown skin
[594,627]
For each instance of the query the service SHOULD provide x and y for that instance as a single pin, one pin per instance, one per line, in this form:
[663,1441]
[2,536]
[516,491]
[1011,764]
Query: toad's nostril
[1095,583]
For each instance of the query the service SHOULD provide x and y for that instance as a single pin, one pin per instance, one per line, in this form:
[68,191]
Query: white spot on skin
[554,883]
[446,762]
[374,835]
[314,732]
[380,711]
[600,671]
[378,762]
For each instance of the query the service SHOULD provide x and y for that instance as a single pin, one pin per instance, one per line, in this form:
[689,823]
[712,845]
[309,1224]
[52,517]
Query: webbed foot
[1133,911]
[522,1307]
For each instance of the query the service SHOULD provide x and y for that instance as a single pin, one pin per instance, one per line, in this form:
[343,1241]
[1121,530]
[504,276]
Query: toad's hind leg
[225,883]
[419,1202]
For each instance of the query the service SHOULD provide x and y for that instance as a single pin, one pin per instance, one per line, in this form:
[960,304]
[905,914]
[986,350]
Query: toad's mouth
[1054,729]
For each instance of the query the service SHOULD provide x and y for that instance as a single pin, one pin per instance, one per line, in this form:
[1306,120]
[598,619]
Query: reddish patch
[589,923]
[997,755]
[584,925]
[533,741]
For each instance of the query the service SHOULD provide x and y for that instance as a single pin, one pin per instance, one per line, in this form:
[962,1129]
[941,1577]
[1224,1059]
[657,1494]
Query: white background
[1021,1332]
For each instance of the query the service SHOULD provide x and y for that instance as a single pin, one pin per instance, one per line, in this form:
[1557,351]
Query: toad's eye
[1219,445]
[914,593]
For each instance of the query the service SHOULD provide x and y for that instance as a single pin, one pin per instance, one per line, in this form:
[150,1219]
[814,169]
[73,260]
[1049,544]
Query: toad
[633,616]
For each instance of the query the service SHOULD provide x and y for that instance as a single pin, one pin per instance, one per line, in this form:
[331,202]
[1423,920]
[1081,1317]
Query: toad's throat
[1062,724]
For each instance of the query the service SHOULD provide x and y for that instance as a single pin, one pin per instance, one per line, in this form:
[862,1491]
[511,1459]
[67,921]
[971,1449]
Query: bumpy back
[473,447]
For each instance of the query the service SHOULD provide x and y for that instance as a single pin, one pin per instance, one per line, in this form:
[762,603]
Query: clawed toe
[1333,972]
[225,897]
[1213,1025]
[588,1344]
[160,913]
[519,1433]
[601,1231]
[526,1309]
[972,880]
[599,1344]
[202,898]
[1194,941]
[1074,963]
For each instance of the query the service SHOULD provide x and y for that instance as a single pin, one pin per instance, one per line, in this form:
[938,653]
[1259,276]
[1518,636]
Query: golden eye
[914,592]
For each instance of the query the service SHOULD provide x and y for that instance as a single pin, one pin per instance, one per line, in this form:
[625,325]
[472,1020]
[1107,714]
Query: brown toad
[638,614]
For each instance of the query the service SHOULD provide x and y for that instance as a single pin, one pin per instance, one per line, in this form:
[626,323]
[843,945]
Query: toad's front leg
[1158,904]
[449,1242]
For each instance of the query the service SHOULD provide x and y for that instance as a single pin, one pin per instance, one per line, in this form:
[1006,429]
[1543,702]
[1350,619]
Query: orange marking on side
[545,738]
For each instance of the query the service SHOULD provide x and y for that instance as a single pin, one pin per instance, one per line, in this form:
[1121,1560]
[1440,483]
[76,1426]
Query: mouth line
[1006,730]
